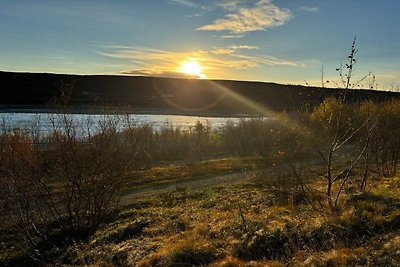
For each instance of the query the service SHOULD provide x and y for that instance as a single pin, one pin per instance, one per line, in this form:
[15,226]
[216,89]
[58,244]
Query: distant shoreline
[121,111]
[105,94]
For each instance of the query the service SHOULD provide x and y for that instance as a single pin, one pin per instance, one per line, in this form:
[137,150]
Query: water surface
[43,121]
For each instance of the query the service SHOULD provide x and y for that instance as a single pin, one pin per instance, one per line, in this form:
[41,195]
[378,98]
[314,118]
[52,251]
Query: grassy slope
[206,228]
[240,225]
[197,170]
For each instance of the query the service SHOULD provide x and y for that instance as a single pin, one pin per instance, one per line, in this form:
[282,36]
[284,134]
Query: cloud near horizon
[155,62]
[263,15]
[157,73]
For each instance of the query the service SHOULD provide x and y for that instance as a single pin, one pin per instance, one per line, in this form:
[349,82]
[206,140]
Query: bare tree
[340,128]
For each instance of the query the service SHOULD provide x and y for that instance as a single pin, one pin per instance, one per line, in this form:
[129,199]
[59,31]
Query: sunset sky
[284,41]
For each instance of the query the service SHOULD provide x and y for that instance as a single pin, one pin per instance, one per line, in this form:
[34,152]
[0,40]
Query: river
[43,121]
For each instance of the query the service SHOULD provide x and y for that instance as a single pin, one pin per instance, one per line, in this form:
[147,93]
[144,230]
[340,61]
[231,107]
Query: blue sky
[285,41]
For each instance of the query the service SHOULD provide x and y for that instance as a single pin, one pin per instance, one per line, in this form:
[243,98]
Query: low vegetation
[241,226]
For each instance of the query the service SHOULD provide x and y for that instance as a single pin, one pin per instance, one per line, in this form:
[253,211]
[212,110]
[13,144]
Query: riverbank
[119,111]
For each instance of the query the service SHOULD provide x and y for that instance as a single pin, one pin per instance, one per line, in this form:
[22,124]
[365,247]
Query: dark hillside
[35,90]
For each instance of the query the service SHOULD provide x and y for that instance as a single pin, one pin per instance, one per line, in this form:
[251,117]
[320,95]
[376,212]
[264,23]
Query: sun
[192,68]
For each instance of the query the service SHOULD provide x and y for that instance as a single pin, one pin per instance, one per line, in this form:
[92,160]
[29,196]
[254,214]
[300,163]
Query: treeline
[61,186]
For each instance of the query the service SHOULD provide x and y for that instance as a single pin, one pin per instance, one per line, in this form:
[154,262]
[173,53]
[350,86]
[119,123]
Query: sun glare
[192,68]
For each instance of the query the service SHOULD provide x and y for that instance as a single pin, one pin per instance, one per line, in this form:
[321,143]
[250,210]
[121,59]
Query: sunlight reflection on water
[43,120]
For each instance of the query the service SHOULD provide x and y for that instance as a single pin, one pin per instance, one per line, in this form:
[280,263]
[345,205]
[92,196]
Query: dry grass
[183,171]
[240,226]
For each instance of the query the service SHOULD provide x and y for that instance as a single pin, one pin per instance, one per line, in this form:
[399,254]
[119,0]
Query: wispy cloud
[187,3]
[230,5]
[156,62]
[229,50]
[263,15]
[231,36]
[309,8]
[270,60]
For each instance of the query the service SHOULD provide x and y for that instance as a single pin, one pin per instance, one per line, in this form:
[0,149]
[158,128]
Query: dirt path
[199,183]
[192,184]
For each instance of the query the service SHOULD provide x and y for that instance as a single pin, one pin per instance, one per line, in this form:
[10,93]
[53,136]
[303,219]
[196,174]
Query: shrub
[192,254]
[63,191]
[123,232]
[263,244]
